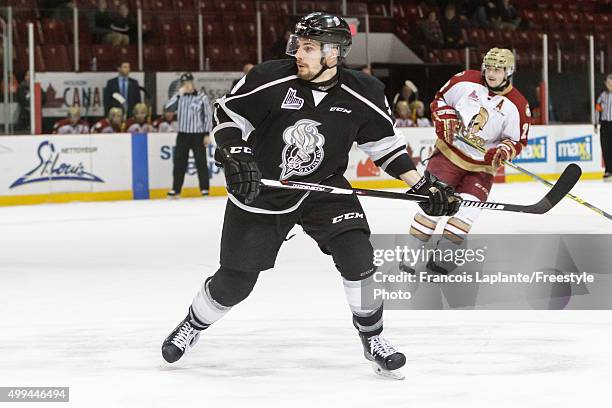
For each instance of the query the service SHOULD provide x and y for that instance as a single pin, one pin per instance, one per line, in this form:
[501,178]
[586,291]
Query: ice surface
[88,291]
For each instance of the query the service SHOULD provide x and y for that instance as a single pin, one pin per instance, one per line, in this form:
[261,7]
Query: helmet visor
[310,47]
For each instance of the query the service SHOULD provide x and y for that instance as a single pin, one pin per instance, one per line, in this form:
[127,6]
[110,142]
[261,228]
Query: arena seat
[175,56]
[57,58]
[54,31]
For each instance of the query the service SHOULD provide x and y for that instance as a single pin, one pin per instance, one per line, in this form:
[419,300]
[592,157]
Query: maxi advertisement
[56,168]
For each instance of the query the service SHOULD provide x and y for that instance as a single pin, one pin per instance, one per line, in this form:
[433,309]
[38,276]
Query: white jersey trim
[238,84]
[256,210]
[380,148]
[367,102]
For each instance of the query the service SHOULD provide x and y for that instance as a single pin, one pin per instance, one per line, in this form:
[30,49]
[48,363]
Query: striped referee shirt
[193,110]
[604,107]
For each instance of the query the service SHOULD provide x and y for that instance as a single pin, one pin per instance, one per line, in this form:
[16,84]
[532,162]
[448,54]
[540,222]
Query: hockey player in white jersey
[497,117]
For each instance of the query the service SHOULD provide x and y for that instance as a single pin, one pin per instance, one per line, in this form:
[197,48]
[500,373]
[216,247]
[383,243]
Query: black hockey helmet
[186,76]
[325,28]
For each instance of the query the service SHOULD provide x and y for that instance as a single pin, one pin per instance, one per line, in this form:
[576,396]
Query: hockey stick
[536,177]
[564,184]
[119,98]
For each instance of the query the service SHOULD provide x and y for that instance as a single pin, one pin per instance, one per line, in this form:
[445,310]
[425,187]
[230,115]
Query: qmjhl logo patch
[292,101]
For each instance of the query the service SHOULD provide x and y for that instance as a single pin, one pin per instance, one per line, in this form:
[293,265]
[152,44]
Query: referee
[194,125]
[604,118]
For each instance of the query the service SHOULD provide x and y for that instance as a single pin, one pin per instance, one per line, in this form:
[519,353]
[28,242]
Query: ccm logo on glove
[240,149]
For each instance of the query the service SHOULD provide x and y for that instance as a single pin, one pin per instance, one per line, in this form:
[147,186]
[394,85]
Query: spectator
[113,123]
[417,109]
[430,31]
[245,70]
[166,123]
[507,17]
[481,11]
[537,110]
[13,84]
[408,93]
[366,70]
[451,28]
[100,22]
[138,123]
[403,117]
[72,124]
[122,92]
[195,124]
[23,100]
[121,27]
[604,119]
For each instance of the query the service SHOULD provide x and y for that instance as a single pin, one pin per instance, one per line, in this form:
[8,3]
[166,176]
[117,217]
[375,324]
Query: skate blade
[390,374]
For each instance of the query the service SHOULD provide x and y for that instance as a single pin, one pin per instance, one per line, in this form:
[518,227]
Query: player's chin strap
[324,67]
[324,86]
[501,87]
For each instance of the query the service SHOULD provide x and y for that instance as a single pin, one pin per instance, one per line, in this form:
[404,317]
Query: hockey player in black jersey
[297,119]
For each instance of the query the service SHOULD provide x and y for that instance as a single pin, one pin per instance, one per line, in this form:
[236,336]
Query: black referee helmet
[186,76]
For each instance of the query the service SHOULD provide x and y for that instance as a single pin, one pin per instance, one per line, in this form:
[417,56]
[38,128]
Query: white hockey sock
[205,309]
[367,311]
[458,226]
[423,226]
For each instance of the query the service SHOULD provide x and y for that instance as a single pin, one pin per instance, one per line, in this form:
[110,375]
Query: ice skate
[386,360]
[182,338]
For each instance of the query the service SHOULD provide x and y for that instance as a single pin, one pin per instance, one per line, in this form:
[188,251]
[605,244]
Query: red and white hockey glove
[496,155]
[446,122]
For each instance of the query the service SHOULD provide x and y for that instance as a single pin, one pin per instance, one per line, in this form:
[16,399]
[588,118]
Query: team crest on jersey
[303,152]
[292,101]
[478,122]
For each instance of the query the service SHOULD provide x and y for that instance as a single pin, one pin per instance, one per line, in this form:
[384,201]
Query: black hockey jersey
[302,134]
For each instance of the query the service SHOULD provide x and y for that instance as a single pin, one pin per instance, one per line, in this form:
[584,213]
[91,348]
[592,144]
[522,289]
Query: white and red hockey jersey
[65,127]
[132,126]
[104,126]
[491,118]
[163,126]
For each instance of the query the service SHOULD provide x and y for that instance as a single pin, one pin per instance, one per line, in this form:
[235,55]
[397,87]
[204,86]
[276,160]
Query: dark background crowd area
[445,34]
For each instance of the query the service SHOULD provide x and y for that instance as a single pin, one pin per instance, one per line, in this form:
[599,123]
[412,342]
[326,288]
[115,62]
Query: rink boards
[100,167]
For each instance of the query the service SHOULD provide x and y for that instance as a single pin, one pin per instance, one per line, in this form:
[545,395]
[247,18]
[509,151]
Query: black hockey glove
[442,197]
[242,175]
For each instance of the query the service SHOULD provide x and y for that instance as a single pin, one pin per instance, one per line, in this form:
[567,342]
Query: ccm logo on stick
[347,216]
